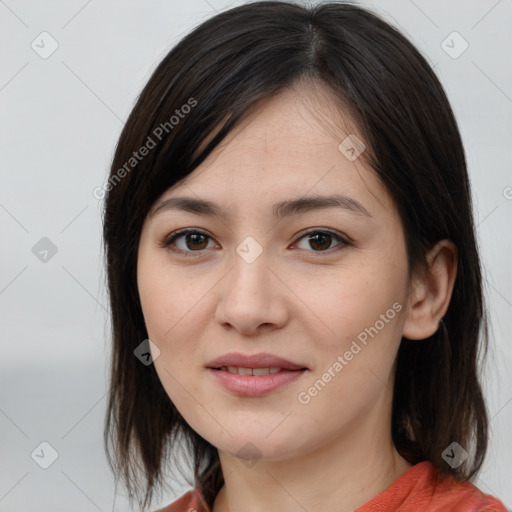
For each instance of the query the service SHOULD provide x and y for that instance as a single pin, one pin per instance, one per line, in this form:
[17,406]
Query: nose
[252,297]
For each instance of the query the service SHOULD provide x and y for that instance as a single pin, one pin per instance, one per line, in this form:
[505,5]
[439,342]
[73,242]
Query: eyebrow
[279,210]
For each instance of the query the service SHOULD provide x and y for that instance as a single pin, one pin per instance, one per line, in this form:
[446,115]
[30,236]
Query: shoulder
[468,497]
[191,501]
[465,496]
[423,488]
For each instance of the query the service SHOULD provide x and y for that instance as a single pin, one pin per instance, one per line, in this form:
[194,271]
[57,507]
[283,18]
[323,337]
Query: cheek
[346,303]
[169,298]
[361,322]
[171,304]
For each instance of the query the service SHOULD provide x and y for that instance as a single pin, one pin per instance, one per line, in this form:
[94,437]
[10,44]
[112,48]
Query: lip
[254,385]
[261,360]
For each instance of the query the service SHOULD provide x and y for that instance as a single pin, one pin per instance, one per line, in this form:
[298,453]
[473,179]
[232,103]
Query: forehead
[302,120]
[288,146]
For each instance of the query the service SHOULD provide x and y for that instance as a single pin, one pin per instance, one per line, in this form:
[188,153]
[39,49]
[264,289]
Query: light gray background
[60,120]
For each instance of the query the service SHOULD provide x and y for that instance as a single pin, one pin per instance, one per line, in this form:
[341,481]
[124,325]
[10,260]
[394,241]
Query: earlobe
[430,295]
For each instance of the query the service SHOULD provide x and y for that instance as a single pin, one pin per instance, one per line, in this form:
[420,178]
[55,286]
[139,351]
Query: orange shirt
[416,490]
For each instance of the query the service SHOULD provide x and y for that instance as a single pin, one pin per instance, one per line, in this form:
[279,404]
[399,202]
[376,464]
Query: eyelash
[168,240]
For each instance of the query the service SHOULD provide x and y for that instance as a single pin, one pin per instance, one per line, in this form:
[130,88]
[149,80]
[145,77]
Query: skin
[303,300]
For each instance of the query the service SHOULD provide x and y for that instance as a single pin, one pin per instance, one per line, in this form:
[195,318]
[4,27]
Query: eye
[321,240]
[189,240]
[193,239]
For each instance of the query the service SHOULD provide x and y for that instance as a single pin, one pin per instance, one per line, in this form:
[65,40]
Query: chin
[251,451]
[253,442]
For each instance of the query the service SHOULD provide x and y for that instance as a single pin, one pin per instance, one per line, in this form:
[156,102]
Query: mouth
[254,375]
[256,364]
[254,371]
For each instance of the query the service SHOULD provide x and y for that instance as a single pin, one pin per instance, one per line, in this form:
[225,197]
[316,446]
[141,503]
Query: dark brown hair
[222,69]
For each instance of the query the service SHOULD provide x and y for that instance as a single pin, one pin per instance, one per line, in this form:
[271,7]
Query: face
[321,287]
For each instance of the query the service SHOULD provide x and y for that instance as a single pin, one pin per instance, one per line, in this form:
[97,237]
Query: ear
[430,295]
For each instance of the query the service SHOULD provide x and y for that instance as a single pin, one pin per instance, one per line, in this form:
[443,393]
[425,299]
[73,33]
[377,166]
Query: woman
[293,273]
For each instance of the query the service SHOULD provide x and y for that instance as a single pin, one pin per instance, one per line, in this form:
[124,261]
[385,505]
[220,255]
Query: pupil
[323,238]
[194,237]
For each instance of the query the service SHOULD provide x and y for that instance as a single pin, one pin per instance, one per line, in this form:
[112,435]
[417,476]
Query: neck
[339,476]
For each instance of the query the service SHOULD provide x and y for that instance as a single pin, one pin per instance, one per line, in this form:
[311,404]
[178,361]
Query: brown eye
[320,241]
[196,240]
[187,241]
